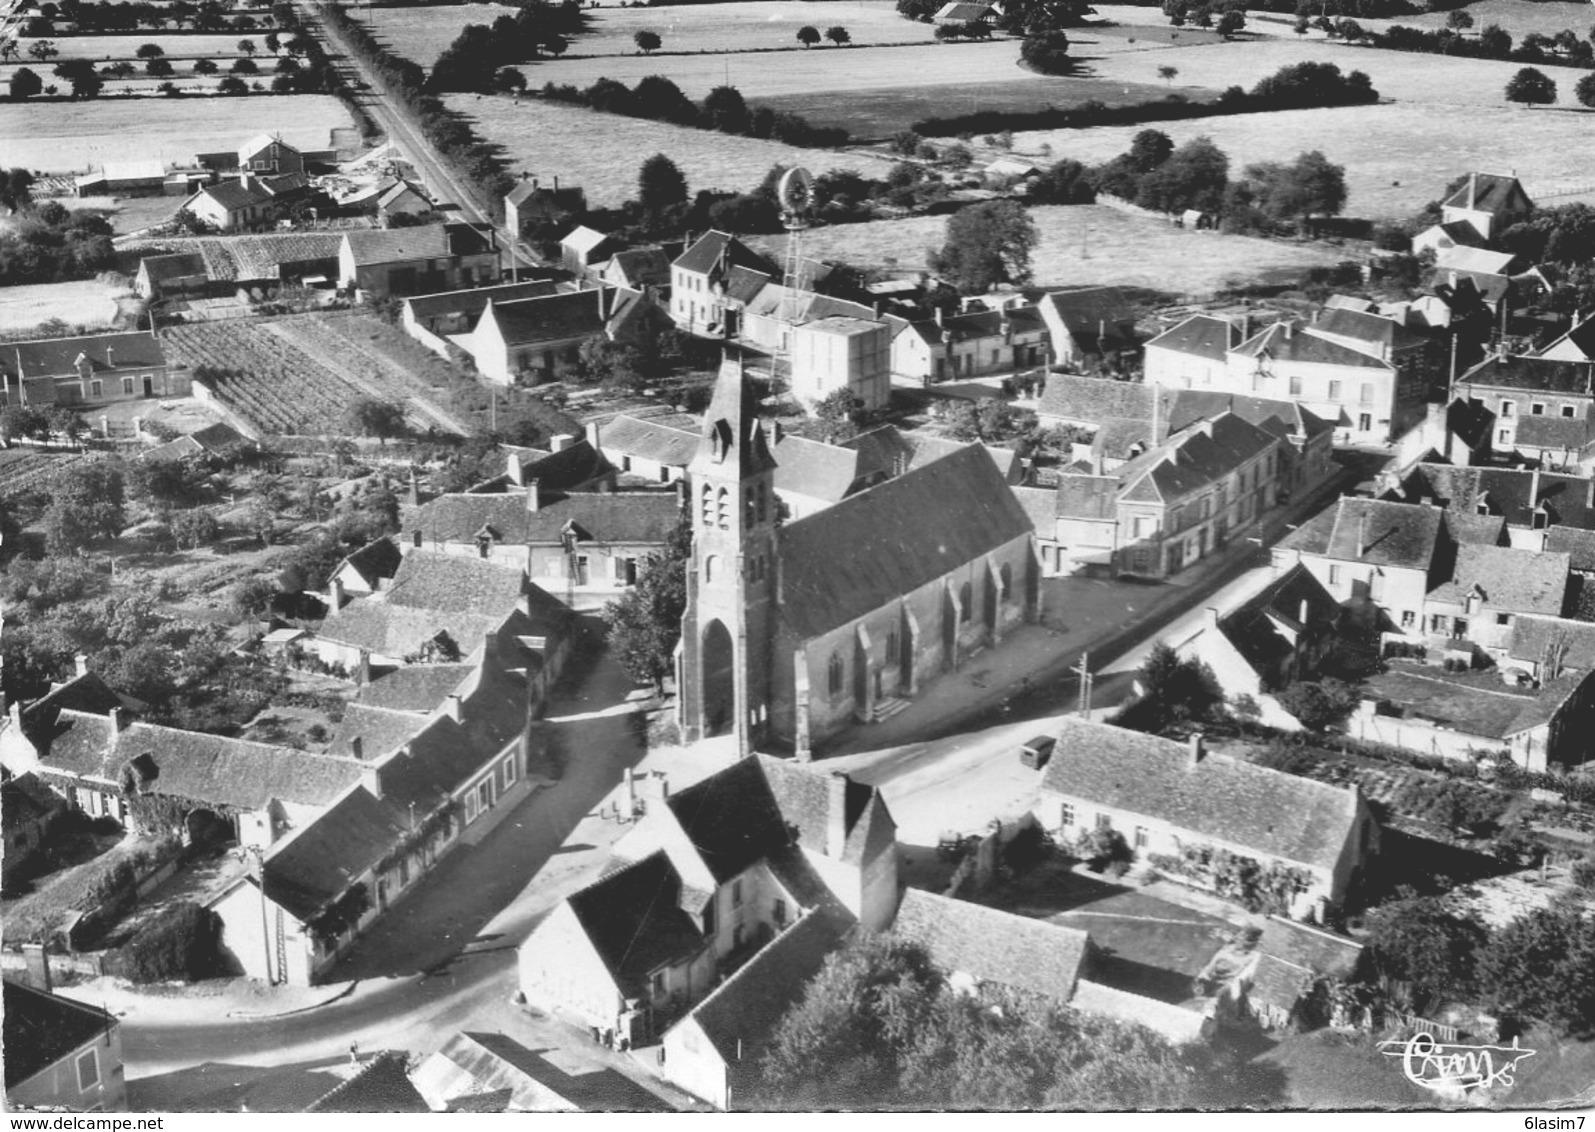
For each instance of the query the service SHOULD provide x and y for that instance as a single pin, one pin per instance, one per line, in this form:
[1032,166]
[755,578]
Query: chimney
[681,495]
[1303,611]
[592,433]
[335,594]
[603,297]
[110,357]
[118,718]
[836,816]
[556,182]
[534,497]
[772,432]
[1212,618]
[357,747]
[513,468]
[37,961]
[489,644]
[1362,535]
[371,779]
[1534,488]
[363,672]
[415,538]
[415,489]
[940,316]
[451,706]
[1473,189]
[1195,745]
[81,663]
[564,440]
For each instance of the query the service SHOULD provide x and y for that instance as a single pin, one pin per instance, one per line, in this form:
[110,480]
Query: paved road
[435,173]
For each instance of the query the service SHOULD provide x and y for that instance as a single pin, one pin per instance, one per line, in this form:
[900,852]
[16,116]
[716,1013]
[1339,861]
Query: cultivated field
[88,303]
[547,139]
[109,48]
[72,137]
[1516,16]
[421,32]
[127,214]
[1084,245]
[1397,156]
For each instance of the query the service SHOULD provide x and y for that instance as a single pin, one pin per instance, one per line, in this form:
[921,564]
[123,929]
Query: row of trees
[44,243]
[479,51]
[88,18]
[1565,48]
[723,109]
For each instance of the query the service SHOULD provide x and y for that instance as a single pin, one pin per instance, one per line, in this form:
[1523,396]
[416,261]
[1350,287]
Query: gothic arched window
[835,674]
[723,502]
[708,506]
[966,599]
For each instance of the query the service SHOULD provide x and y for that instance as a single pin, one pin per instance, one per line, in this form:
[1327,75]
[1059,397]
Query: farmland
[545,139]
[1397,156]
[1085,245]
[300,374]
[1519,17]
[107,48]
[89,303]
[68,137]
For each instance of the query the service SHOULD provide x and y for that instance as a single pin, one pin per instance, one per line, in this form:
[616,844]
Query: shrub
[183,942]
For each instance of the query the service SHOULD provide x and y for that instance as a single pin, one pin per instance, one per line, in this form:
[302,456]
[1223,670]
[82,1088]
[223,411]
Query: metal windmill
[795,194]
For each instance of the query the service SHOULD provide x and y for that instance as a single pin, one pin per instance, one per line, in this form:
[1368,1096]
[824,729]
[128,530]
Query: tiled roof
[1374,329]
[713,248]
[1095,399]
[1263,629]
[26,798]
[1041,504]
[473,301]
[1518,581]
[1474,261]
[1553,695]
[472,1064]
[890,549]
[803,798]
[640,267]
[378,730]
[234,258]
[1191,405]
[376,561]
[809,467]
[928,449]
[434,579]
[1088,497]
[964,11]
[58,356]
[638,517]
[1569,434]
[649,440]
[232,772]
[1317,950]
[158,268]
[634,921]
[1277,814]
[1087,311]
[1476,530]
[1286,341]
[314,867]
[553,318]
[1530,374]
[382,1085]
[401,631]
[1199,455]
[740,1015]
[399,190]
[1578,545]
[1394,534]
[1566,500]
[424,241]
[42,1028]
[1472,703]
[1201,336]
[414,688]
[235,195]
[993,946]
[1484,192]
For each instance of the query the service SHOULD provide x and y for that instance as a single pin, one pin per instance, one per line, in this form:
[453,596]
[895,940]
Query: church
[794,632]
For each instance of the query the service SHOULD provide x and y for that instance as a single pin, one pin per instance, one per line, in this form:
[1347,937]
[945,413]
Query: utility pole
[1083,670]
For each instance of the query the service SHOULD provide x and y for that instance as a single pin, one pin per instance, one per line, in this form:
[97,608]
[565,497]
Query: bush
[183,942]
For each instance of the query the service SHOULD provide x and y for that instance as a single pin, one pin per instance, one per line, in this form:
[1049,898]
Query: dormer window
[1540,519]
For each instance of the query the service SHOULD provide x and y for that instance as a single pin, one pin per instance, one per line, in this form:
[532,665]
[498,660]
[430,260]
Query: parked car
[1037,751]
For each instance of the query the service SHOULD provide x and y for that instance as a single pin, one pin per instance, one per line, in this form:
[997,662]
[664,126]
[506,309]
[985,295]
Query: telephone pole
[1083,670]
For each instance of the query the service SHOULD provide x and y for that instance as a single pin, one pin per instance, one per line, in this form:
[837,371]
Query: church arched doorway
[719,691]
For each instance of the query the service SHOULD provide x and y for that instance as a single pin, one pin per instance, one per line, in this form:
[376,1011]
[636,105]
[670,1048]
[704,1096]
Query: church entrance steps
[887,708]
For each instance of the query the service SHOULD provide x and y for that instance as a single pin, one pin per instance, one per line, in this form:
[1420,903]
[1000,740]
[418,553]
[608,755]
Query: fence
[1439,1030]
[208,397]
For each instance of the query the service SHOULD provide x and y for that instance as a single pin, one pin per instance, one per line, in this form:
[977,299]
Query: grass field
[421,33]
[1516,16]
[108,48]
[1085,245]
[68,137]
[548,139]
[1397,156]
[88,303]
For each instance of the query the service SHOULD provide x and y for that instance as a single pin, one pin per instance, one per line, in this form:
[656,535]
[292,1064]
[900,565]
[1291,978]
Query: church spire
[731,427]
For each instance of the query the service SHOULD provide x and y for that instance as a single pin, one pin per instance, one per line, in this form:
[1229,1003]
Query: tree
[987,244]
[645,622]
[1318,704]
[1496,41]
[86,506]
[43,50]
[1300,26]
[196,528]
[247,46]
[161,68]
[149,51]
[232,84]
[25,83]
[725,109]
[1584,91]
[245,67]
[837,414]
[370,417]
[1195,176]
[122,69]
[1427,942]
[838,35]
[1174,689]
[273,42]
[205,67]
[660,185]
[647,42]
[1541,966]
[1531,87]
[1167,73]
[1309,186]
[1067,182]
[1047,53]
[508,80]
[1231,23]
[252,599]
[808,35]
[1458,19]
[170,90]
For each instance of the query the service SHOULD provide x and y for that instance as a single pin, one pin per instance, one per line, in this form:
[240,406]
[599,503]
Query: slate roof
[809,467]
[1287,341]
[1578,344]
[803,798]
[741,1014]
[1086,311]
[1263,627]
[1395,534]
[573,467]
[27,798]
[54,357]
[235,195]
[378,729]
[375,562]
[1094,400]
[928,449]
[1578,545]
[473,301]
[1530,374]
[638,517]
[1461,232]
[1474,261]
[314,867]
[1475,530]
[1567,500]
[848,560]
[382,1085]
[399,190]
[1041,504]
[634,921]
[1088,497]
[993,946]
[554,318]
[159,268]
[86,693]
[715,248]
[1518,581]
[374,246]
[579,239]
[1191,459]
[1277,814]
[400,631]
[1374,329]
[963,11]
[640,267]
[732,819]
[472,1064]
[1191,405]
[649,440]
[1317,950]
[41,1028]
[1570,434]
[434,579]
[1201,336]
[1484,192]
[414,688]
[1473,703]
